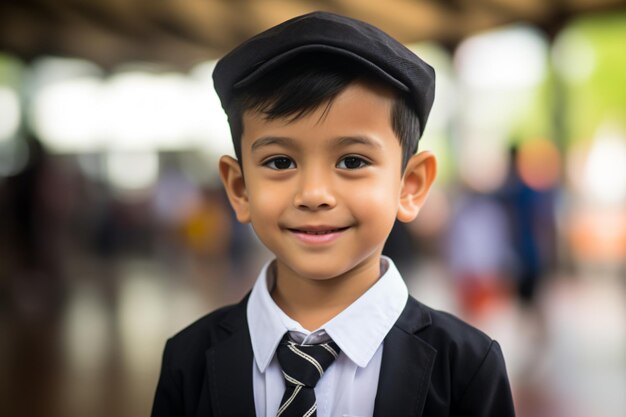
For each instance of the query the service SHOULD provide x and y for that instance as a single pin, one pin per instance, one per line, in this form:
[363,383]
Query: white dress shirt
[348,387]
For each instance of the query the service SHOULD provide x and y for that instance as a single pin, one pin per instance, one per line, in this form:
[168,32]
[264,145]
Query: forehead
[361,109]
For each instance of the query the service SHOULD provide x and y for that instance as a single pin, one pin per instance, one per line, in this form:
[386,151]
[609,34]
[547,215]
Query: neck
[313,302]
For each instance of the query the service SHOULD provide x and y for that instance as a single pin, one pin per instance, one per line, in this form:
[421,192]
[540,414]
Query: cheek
[268,201]
[376,202]
[382,189]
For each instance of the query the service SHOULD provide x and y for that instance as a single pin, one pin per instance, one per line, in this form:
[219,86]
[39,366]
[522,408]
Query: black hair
[297,88]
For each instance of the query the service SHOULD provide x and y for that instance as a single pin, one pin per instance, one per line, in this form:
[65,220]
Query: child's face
[322,192]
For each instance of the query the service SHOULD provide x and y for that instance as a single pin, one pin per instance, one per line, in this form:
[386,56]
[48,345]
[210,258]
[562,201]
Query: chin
[318,274]
[321,271]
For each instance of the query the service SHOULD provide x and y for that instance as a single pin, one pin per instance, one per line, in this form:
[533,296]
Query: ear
[232,178]
[418,177]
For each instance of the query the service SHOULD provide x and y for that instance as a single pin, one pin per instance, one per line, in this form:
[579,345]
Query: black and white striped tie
[303,366]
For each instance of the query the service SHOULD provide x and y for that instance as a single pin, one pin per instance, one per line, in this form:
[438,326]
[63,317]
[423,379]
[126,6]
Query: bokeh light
[132,171]
[67,115]
[10,112]
[574,56]
[500,73]
[145,111]
[509,58]
[605,171]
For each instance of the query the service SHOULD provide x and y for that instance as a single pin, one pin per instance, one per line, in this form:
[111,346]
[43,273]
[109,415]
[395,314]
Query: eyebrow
[340,142]
[271,140]
[357,140]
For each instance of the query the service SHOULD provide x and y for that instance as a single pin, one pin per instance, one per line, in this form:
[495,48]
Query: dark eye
[281,162]
[352,162]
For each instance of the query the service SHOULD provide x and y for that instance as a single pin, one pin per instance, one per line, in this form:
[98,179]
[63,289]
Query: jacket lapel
[405,369]
[406,366]
[228,388]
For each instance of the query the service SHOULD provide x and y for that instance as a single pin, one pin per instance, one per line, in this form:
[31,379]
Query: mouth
[318,230]
[317,235]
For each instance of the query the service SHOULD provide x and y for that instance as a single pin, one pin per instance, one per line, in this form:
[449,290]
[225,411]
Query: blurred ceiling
[180,33]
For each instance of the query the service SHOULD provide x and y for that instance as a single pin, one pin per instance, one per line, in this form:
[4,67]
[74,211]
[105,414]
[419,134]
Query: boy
[325,114]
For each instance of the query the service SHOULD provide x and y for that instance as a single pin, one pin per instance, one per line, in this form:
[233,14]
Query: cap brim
[291,53]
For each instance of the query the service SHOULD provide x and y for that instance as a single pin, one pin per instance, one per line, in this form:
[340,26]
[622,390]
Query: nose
[315,191]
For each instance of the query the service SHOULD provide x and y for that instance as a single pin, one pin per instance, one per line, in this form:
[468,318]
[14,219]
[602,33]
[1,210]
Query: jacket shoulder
[448,333]
[192,341]
[469,373]
[183,369]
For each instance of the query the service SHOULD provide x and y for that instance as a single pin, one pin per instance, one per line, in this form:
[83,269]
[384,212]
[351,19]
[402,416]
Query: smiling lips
[318,234]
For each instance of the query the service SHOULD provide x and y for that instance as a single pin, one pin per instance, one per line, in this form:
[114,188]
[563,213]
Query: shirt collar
[358,330]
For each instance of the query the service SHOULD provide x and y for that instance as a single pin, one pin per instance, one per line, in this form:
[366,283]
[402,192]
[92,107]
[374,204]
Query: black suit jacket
[433,365]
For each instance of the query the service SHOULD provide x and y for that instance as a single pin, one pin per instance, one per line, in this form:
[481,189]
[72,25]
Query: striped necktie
[303,366]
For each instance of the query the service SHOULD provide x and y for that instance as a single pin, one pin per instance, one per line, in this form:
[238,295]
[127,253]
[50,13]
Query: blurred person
[206,226]
[38,205]
[33,291]
[479,252]
[531,220]
[326,112]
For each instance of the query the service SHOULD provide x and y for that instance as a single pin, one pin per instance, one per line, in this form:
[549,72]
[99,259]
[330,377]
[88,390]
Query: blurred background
[115,233]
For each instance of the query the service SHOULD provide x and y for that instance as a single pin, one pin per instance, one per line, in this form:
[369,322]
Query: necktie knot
[305,364]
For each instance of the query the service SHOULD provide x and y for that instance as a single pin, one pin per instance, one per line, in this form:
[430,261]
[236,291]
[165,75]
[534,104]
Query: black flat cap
[327,32]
